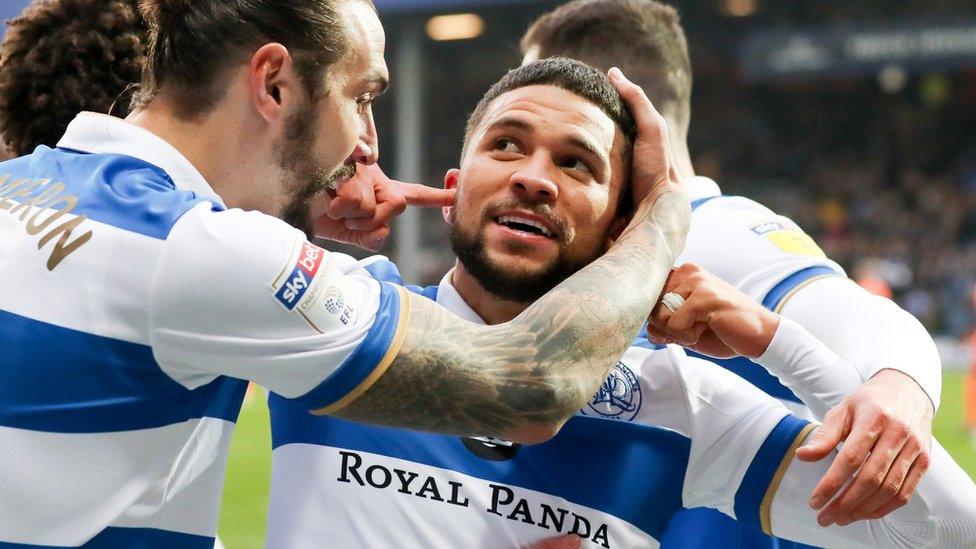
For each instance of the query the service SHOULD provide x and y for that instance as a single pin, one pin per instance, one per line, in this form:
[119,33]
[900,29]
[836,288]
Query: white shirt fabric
[769,258]
[125,338]
[665,432]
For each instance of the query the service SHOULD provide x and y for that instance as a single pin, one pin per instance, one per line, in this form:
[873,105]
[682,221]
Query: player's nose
[534,180]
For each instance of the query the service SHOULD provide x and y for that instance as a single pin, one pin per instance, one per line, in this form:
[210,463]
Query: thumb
[422,195]
[824,438]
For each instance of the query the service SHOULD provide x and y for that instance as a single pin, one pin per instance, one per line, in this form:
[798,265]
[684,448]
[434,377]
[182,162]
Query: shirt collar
[699,187]
[449,298]
[103,134]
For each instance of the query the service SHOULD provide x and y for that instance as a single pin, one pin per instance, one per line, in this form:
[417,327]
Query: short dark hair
[60,57]
[642,37]
[191,42]
[568,74]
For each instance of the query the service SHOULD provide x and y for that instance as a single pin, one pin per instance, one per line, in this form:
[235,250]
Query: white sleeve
[732,425]
[764,255]
[869,332]
[244,295]
[941,514]
[943,511]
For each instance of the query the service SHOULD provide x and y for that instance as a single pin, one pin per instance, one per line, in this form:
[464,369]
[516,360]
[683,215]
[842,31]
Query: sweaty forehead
[551,108]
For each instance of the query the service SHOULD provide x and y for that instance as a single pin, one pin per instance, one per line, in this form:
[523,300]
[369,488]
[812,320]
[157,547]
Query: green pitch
[245,501]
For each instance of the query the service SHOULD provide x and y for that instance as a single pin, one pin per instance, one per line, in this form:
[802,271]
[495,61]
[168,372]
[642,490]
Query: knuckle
[890,489]
[850,459]
[902,498]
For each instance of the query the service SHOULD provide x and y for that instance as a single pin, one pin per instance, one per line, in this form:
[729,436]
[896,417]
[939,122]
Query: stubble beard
[508,284]
[309,178]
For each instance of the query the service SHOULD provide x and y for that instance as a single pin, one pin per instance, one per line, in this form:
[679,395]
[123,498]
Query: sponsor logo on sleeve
[312,285]
[788,237]
[302,274]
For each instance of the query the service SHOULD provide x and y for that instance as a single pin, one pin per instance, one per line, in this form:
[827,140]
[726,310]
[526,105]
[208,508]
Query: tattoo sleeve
[521,380]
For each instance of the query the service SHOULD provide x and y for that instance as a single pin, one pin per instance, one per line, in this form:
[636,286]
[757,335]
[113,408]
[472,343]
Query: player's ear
[450,182]
[271,81]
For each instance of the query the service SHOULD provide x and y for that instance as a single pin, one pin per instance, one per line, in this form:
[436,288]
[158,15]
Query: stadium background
[857,119]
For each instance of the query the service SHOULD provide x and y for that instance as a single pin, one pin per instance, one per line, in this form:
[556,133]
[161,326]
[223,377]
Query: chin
[519,266]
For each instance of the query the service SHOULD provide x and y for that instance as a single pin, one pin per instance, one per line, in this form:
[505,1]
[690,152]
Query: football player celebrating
[541,191]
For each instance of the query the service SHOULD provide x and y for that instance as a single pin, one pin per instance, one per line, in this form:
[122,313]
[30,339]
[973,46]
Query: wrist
[906,384]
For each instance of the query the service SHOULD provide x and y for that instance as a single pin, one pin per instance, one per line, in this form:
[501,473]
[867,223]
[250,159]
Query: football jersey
[665,431]
[133,305]
[769,258]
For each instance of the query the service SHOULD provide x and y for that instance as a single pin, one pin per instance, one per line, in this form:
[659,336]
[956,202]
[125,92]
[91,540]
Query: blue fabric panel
[760,473]
[367,356]
[754,374]
[114,189]
[385,271]
[783,287]
[695,204]
[60,380]
[132,538]
[703,528]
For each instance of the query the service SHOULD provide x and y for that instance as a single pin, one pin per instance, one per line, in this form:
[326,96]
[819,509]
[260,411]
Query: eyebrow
[379,81]
[572,140]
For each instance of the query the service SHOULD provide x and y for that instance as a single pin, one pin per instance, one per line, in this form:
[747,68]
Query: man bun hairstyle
[60,57]
[642,37]
[193,42]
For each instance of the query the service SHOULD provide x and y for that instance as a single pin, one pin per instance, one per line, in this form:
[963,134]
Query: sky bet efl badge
[311,286]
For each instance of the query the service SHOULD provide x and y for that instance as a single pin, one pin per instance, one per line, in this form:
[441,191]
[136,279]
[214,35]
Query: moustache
[541,210]
[347,171]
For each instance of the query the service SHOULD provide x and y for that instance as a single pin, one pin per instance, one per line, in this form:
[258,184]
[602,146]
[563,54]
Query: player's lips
[526,223]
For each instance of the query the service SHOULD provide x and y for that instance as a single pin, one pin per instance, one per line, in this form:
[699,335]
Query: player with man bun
[147,271]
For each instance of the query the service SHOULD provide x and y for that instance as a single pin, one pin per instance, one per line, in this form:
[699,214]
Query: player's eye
[506,145]
[577,164]
[363,102]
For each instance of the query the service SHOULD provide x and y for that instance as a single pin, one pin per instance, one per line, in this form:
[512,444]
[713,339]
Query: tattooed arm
[521,380]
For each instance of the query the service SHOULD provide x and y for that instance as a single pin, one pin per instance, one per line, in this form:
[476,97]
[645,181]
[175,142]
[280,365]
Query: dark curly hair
[60,57]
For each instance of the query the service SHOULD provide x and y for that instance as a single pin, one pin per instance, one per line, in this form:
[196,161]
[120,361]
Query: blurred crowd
[885,182]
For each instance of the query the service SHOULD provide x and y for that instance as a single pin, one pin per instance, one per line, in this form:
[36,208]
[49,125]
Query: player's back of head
[642,37]
[60,57]
[193,42]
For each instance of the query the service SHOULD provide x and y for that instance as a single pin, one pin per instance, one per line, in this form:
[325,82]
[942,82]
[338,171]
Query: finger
[385,212]
[355,199]
[846,463]
[650,123]
[342,207]
[426,197]
[890,487]
[826,438]
[869,479]
[914,476]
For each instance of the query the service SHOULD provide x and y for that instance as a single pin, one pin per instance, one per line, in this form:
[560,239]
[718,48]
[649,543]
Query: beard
[511,284]
[309,178]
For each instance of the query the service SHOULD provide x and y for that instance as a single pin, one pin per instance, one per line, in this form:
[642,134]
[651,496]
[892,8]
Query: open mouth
[524,225]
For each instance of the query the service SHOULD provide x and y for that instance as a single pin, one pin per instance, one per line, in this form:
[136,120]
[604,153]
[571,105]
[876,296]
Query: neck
[491,308]
[679,151]
[214,143]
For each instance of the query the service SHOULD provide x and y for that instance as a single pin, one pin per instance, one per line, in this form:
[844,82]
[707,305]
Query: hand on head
[655,183]
[361,210]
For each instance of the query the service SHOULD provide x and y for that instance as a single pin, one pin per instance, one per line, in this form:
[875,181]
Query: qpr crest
[618,398]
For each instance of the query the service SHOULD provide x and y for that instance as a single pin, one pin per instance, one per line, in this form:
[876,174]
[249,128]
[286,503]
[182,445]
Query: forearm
[868,332]
[522,379]
[819,377]
[941,514]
